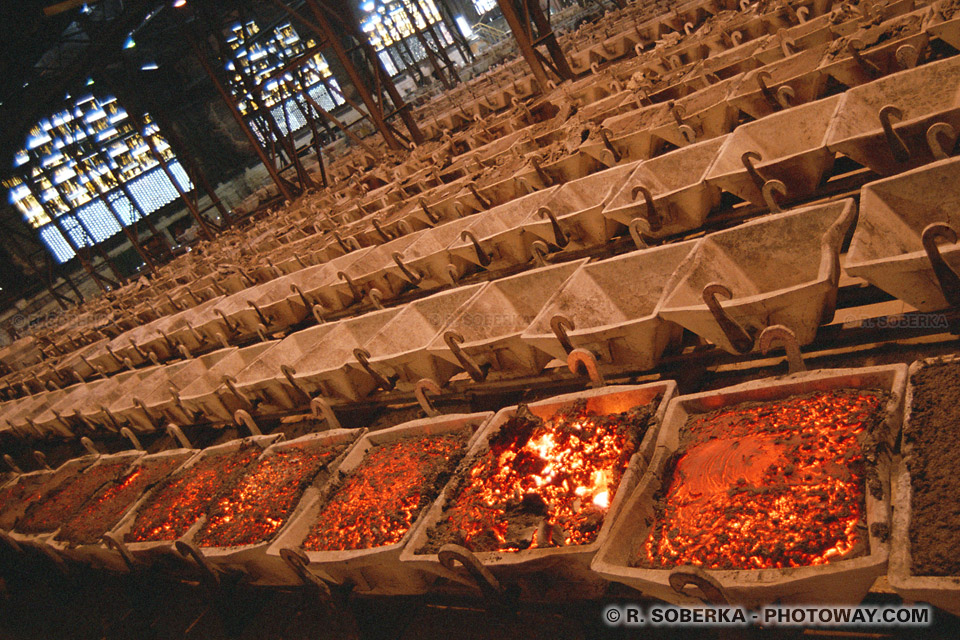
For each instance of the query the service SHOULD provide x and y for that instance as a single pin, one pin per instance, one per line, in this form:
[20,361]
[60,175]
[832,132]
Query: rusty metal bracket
[748,158]
[653,218]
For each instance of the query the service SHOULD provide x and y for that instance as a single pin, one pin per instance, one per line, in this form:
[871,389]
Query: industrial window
[78,164]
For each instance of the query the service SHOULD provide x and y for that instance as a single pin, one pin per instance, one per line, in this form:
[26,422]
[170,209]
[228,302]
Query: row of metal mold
[626,310]
[699,110]
[412,564]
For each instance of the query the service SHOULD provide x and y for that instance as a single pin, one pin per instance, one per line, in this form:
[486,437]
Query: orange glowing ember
[262,500]
[62,502]
[380,499]
[543,482]
[102,512]
[22,492]
[175,506]
[773,485]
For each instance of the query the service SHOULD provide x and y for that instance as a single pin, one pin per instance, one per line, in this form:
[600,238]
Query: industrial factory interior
[403,319]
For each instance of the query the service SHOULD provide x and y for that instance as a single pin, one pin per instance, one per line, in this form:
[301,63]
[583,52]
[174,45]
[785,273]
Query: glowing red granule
[542,483]
[53,509]
[379,501]
[261,501]
[779,484]
[15,496]
[176,505]
[104,510]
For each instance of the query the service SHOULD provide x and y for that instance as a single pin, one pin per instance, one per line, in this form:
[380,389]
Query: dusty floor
[37,601]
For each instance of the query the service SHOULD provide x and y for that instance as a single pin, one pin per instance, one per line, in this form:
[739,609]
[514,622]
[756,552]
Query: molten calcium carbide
[543,483]
[102,512]
[772,485]
[262,500]
[379,501]
[176,506]
[61,503]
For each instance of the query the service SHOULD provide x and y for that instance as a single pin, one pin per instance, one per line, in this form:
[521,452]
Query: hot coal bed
[769,485]
[541,482]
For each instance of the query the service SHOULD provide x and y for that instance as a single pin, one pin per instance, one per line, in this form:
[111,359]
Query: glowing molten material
[544,482]
[774,485]
[104,510]
[24,491]
[178,504]
[379,501]
[50,512]
[262,500]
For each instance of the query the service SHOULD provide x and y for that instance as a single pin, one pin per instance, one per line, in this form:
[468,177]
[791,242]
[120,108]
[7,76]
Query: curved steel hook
[129,435]
[414,277]
[477,372]
[771,187]
[907,56]
[898,146]
[434,219]
[483,257]
[785,336]
[653,218]
[177,434]
[424,385]
[763,77]
[320,408]
[386,237]
[947,277]
[561,326]
[451,554]
[741,341]
[605,135]
[354,289]
[560,237]
[231,328]
[383,382]
[289,373]
[934,135]
[581,359]
[748,158]
[376,298]
[243,418]
[681,577]
[544,178]
[472,188]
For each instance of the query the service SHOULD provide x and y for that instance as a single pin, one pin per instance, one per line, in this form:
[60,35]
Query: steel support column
[523,33]
[238,117]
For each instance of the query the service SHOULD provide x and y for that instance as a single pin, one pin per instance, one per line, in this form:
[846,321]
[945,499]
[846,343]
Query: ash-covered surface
[541,483]
[379,501]
[769,485]
[931,442]
[177,505]
[104,509]
[262,500]
[57,506]
[24,491]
